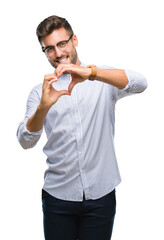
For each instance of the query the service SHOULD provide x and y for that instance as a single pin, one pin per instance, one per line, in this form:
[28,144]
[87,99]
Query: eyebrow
[48,46]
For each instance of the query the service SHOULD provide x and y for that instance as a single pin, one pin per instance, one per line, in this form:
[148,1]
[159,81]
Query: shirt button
[81,171]
[80,153]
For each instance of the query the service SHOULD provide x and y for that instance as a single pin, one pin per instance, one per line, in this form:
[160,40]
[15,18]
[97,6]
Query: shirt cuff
[30,135]
[26,138]
[136,82]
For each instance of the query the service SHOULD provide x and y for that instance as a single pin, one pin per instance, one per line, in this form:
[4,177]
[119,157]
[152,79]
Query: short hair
[48,25]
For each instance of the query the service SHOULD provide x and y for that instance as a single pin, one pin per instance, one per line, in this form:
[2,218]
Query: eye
[62,44]
[50,49]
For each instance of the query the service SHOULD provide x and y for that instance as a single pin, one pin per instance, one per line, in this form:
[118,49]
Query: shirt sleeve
[26,138]
[137,83]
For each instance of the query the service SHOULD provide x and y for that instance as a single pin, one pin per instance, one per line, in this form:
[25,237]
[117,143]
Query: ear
[75,40]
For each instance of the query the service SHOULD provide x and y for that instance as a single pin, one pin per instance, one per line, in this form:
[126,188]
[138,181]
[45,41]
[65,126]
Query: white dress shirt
[80,132]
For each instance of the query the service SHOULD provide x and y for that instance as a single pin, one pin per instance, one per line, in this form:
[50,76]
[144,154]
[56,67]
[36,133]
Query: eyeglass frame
[57,45]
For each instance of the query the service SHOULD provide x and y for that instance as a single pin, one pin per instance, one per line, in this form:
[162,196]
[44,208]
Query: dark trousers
[86,220]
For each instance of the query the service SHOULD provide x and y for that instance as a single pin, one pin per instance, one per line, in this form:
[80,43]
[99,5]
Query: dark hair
[48,25]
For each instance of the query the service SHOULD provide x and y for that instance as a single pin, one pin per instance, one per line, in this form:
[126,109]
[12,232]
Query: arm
[26,138]
[29,131]
[36,121]
[49,97]
[124,80]
[114,77]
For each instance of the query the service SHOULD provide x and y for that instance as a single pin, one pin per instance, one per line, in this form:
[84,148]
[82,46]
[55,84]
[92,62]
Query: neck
[78,62]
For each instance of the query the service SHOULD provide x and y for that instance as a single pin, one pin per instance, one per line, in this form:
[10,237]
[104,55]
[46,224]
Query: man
[76,105]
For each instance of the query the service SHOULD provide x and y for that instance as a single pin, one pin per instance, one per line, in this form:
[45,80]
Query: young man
[76,105]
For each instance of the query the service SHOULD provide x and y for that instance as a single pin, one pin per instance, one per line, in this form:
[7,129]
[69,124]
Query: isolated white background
[123,34]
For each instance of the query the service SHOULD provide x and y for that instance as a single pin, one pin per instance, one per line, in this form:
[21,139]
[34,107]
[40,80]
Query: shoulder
[37,88]
[36,91]
[105,67]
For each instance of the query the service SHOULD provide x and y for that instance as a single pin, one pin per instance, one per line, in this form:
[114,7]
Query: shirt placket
[80,152]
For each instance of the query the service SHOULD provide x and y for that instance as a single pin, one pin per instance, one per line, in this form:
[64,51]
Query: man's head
[58,41]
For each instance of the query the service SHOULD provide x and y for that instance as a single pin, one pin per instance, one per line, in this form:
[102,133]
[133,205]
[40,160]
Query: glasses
[49,50]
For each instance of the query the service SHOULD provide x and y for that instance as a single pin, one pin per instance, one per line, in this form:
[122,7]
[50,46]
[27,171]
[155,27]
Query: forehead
[56,36]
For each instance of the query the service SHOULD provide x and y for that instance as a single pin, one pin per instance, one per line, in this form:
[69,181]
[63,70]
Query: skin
[67,61]
[69,52]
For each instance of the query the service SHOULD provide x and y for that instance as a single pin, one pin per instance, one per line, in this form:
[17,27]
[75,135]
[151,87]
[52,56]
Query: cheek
[72,52]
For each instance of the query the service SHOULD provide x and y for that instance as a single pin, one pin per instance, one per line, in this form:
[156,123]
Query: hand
[78,73]
[49,94]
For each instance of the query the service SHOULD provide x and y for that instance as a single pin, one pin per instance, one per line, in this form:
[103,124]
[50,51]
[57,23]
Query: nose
[58,52]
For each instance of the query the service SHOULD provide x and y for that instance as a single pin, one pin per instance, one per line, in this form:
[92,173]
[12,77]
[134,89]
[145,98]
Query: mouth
[63,60]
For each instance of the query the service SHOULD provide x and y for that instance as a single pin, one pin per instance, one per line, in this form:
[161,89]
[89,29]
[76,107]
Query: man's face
[66,55]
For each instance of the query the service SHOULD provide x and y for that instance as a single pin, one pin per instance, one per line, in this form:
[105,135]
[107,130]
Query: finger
[71,86]
[59,72]
[63,68]
[50,76]
[48,83]
[52,81]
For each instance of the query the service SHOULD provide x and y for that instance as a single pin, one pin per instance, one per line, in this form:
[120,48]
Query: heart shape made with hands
[78,73]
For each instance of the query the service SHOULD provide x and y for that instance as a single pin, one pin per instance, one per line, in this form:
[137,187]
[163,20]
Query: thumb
[63,92]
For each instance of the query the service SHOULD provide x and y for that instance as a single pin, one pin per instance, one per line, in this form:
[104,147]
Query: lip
[63,60]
